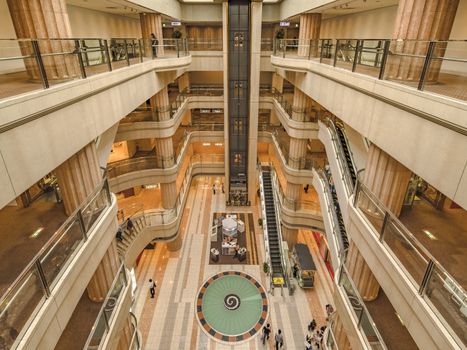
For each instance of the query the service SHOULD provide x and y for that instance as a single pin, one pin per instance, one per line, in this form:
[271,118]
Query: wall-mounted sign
[175,24]
[284,24]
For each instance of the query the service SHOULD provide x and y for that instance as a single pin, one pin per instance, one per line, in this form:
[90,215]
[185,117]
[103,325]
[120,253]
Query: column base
[176,244]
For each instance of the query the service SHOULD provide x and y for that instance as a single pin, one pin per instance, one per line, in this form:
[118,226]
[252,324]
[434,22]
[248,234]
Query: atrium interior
[233,174]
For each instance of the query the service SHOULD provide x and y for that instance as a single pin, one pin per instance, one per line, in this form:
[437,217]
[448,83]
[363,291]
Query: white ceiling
[116,7]
[346,7]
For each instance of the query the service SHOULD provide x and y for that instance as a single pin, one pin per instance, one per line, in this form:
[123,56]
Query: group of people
[214,188]
[313,339]
[278,337]
[129,226]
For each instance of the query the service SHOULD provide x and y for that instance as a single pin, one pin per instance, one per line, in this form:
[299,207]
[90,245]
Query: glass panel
[60,60]
[405,61]
[449,301]
[406,252]
[370,56]
[346,53]
[19,72]
[446,74]
[369,329]
[98,332]
[19,305]
[94,56]
[328,51]
[94,209]
[370,209]
[59,254]
[114,295]
[352,294]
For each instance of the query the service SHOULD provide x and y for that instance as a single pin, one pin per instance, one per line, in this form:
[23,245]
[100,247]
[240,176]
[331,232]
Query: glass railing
[442,293]
[204,45]
[340,155]
[135,341]
[435,66]
[25,296]
[31,64]
[267,44]
[104,319]
[360,313]
[330,339]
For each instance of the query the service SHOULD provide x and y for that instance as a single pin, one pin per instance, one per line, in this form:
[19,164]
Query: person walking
[223,188]
[119,234]
[213,188]
[129,225]
[279,339]
[266,332]
[152,287]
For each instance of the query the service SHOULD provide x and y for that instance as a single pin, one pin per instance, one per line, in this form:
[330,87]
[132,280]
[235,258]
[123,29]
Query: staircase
[347,153]
[271,225]
[129,235]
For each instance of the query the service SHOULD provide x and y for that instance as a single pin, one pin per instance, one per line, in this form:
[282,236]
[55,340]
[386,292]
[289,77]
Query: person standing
[223,188]
[152,287]
[129,225]
[213,188]
[266,332]
[279,339]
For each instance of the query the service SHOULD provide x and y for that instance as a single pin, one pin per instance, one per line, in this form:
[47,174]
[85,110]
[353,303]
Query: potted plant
[280,34]
[176,34]
[260,221]
[266,268]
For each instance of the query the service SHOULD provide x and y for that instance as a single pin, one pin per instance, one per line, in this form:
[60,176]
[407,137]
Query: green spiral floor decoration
[232,306]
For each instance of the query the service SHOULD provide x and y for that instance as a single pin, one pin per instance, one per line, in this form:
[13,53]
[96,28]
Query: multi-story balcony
[53,280]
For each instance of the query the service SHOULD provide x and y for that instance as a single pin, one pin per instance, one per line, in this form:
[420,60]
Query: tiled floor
[168,321]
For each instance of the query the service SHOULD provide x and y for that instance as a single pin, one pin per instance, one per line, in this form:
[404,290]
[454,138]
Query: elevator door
[238,77]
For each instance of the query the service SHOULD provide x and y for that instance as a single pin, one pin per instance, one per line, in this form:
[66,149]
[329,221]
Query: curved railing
[443,294]
[23,299]
[53,61]
[104,319]
[416,63]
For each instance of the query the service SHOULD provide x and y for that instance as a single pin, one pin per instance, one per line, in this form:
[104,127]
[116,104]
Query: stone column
[105,274]
[340,335]
[78,177]
[45,19]
[160,104]
[297,153]
[277,82]
[310,24]
[125,335]
[168,194]
[420,20]
[184,82]
[301,105]
[386,178]
[176,244]
[365,281]
[255,68]
[151,23]
[290,236]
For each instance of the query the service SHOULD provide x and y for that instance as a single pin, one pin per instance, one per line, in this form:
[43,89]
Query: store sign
[175,24]
[284,24]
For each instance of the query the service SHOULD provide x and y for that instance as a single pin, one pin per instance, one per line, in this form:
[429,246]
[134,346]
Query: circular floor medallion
[231,306]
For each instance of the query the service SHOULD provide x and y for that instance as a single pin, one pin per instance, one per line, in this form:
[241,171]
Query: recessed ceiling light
[430,235]
[36,233]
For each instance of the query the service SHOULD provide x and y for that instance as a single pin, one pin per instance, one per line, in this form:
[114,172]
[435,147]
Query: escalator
[273,236]
[345,147]
[343,241]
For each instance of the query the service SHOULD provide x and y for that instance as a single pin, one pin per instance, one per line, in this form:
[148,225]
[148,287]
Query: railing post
[40,63]
[80,59]
[384,59]
[177,45]
[335,53]
[82,225]
[355,57]
[284,47]
[426,277]
[126,52]
[141,48]
[42,278]
[356,193]
[426,65]
[383,227]
[107,190]
[309,49]
[322,51]
[107,53]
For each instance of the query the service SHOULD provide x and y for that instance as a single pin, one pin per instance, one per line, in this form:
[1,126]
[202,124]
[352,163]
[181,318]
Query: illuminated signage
[284,24]
[175,24]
